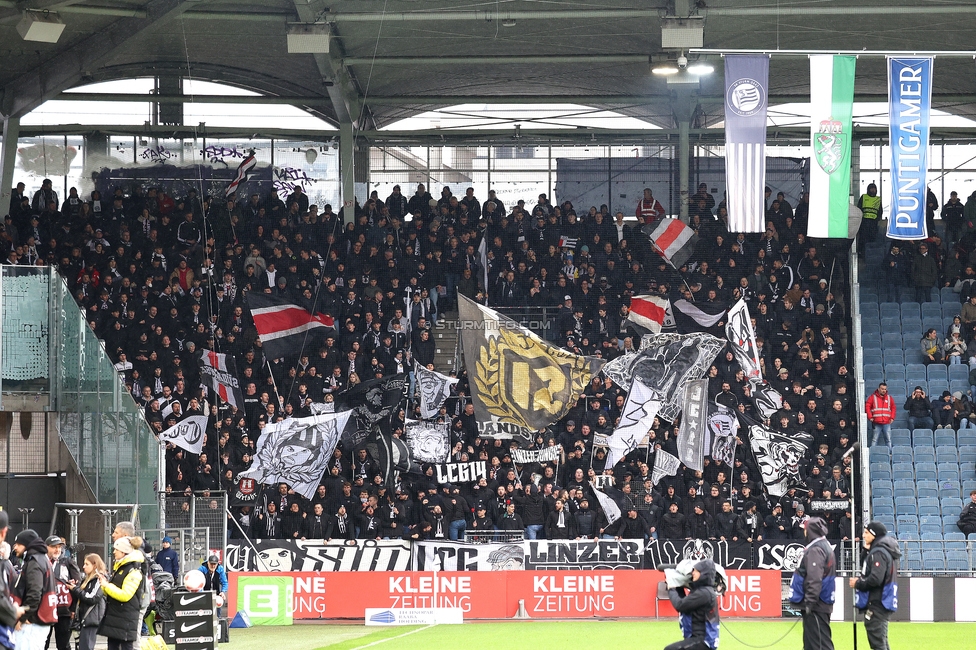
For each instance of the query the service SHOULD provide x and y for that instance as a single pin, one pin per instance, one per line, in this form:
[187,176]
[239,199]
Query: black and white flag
[188,434]
[391,453]
[765,398]
[723,426]
[429,442]
[544,455]
[779,457]
[373,404]
[434,389]
[742,340]
[664,363]
[221,373]
[664,465]
[638,415]
[297,451]
[610,508]
[694,421]
[697,316]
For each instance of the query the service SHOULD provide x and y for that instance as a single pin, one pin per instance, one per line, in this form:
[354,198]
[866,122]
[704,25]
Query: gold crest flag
[519,383]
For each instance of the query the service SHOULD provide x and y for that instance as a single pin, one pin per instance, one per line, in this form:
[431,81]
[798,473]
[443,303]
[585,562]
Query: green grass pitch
[559,635]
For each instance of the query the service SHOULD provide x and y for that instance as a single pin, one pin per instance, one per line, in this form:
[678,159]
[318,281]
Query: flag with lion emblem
[519,383]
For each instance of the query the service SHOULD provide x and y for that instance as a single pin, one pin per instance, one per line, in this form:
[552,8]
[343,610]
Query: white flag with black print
[429,442]
[641,408]
[723,425]
[188,434]
[297,451]
[435,388]
[544,455]
[779,456]
[610,507]
[665,464]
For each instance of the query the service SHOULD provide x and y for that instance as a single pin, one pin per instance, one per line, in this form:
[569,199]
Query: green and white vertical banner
[831,108]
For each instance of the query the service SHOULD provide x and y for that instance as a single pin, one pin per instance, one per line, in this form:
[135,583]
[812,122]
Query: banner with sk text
[746,95]
[831,112]
[909,110]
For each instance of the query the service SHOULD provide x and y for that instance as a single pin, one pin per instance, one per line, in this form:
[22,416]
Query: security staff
[870,205]
[813,586]
[877,586]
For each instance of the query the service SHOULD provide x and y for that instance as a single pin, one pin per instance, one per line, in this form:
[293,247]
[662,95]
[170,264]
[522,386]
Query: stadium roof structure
[392,59]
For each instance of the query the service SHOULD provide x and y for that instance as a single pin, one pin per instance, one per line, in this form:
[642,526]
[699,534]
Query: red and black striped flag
[243,170]
[283,325]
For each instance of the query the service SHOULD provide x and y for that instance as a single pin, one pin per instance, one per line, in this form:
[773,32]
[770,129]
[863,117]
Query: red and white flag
[221,372]
[674,240]
[649,312]
[283,325]
[243,170]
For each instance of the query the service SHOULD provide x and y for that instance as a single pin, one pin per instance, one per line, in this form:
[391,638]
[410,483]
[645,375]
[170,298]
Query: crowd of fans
[162,278]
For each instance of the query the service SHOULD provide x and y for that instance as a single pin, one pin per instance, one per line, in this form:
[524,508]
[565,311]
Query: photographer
[697,607]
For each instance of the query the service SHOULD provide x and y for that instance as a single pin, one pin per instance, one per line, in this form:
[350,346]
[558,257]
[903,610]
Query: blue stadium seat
[946,454]
[880,454]
[891,340]
[908,535]
[966,437]
[926,474]
[901,436]
[905,475]
[871,343]
[894,372]
[902,491]
[924,455]
[907,522]
[930,511]
[945,438]
[889,309]
[901,457]
[957,561]
[932,309]
[873,356]
[937,387]
[929,493]
[937,372]
[910,311]
[948,295]
[928,501]
[959,371]
[951,308]
[893,357]
[882,473]
[958,385]
[933,561]
[890,324]
[951,505]
[948,475]
[881,510]
[906,507]
[915,372]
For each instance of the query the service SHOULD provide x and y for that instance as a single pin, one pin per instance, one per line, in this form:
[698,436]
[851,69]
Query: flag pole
[267,362]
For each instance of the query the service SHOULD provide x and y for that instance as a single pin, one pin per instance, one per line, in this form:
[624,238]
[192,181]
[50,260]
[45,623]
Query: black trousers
[61,631]
[691,643]
[816,631]
[876,625]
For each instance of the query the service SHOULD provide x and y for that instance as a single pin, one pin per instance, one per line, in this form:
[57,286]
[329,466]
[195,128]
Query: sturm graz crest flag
[187,434]
[746,101]
[297,451]
[519,383]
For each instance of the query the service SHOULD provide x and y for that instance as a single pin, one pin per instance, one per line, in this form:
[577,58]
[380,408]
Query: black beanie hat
[877,529]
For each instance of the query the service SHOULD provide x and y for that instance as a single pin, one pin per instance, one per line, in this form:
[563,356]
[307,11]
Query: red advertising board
[496,594]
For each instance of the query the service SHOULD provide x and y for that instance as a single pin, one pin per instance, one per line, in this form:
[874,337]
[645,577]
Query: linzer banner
[746,100]
[909,109]
[597,555]
[461,472]
[694,423]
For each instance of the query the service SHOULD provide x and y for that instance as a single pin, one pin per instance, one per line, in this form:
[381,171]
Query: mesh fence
[200,511]
[88,527]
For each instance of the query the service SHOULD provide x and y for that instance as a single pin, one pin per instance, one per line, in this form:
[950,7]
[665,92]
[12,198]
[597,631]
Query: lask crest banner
[831,112]
[188,434]
[519,383]
[909,112]
[746,101]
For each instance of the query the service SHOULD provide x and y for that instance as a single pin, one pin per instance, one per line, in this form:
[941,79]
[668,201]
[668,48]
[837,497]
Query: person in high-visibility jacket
[870,205]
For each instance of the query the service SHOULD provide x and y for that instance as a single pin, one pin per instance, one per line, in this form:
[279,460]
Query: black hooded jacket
[35,579]
[877,569]
[698,609]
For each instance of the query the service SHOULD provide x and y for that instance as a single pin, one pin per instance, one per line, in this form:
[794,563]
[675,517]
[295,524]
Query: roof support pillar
[347,170]
[8,158]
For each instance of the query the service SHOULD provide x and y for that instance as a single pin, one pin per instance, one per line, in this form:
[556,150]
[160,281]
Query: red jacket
[880,408]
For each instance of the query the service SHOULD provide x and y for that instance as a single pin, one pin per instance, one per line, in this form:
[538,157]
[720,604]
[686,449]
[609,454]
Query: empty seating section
[921,483]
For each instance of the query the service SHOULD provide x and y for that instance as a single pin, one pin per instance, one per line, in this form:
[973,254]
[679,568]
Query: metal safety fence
[197,510]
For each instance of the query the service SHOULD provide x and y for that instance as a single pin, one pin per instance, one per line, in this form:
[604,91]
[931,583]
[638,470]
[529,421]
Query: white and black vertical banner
[746,101]
[665,464]
[429,442]
[694,422]
[610,508]
[641,408]
[188,434]
[742,340]
[544,455]
[221,373]
[779,457]
[435,388]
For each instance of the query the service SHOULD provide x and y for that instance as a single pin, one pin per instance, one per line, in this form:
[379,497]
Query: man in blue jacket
[215,578]
[813,585]
[697,607]
[169,559]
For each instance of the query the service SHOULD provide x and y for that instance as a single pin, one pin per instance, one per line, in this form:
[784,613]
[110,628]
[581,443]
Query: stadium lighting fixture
[701,69]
